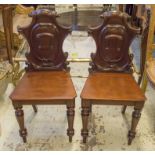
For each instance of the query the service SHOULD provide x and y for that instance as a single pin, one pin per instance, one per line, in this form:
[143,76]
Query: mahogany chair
[47,80]
[110,81]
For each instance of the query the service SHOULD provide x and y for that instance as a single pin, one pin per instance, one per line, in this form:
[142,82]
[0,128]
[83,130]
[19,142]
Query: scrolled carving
[113,39]
[45,38]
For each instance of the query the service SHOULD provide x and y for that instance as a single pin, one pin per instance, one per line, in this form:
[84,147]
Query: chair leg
[90,108]
[135,119]
[85,114]
[70,117]
[35,108]
[20,118]
[124,109]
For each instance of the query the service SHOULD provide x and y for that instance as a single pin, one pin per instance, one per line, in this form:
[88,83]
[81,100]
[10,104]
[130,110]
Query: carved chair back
[113,38]
[45,38]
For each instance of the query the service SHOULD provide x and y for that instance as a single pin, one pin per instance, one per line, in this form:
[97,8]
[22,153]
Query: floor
[108,128]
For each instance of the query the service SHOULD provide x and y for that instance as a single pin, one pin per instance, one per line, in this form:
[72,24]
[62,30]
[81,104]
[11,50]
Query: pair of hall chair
[47,79]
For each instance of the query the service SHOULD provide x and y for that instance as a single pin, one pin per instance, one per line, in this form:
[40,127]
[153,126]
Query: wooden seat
[47,79]
[32,87]
[110,81]
[112,86]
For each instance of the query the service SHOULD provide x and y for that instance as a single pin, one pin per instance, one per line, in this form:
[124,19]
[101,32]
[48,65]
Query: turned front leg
[85,114]
[135,119]
[20,118]
[70,117]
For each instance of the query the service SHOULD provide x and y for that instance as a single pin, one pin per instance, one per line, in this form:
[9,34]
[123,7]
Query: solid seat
[112,86]
[47,80]
[150,71]
[110,81]
[43,85]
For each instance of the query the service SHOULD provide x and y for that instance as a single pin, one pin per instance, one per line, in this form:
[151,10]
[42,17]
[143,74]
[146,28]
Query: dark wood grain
[46,80]
[44,85]
[112,86]
[113,41]
[110,81]
[45,37]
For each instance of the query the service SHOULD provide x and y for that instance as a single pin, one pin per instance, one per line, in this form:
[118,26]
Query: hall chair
[47,79]
[110,81]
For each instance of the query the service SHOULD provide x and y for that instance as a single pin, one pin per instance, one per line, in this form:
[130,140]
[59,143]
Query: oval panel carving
[45,44]
[111,44]
[113,38]
[45,37]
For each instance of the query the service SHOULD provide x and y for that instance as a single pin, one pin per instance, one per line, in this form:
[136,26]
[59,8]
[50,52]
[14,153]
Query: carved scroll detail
[113,39]
[45,38]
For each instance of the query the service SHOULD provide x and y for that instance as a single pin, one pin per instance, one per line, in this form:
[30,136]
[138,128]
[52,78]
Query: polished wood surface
[46,80]
[45,37]
[110,81]
[112,41]
[112,86]
[42,85]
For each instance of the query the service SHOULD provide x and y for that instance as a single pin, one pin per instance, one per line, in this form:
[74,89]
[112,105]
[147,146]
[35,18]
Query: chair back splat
[113,39]
[45,38]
